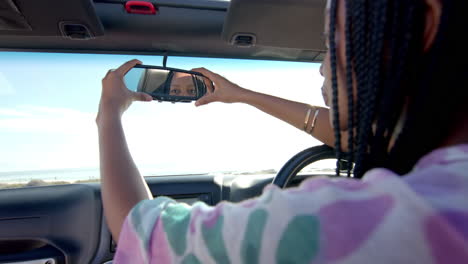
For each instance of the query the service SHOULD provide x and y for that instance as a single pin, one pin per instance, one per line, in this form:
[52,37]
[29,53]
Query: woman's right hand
[224,90]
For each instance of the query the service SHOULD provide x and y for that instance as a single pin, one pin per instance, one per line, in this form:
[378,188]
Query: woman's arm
[122,185]
[293,113]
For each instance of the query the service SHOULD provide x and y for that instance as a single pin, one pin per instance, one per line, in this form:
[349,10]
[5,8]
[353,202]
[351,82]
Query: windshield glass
[48,105]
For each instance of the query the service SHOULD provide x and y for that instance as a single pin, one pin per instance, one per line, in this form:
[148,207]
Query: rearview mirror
[168,84]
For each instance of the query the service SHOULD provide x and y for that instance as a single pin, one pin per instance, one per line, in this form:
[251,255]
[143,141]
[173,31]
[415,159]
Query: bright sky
[48,104]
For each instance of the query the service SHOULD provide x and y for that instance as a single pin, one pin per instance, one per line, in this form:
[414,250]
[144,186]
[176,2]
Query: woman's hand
[224,90]
[115,97]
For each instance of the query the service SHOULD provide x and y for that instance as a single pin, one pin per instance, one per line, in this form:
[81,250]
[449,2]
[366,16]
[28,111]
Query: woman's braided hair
[397,80]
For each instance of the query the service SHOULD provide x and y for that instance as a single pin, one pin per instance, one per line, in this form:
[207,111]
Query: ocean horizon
[88,174]
[68,175]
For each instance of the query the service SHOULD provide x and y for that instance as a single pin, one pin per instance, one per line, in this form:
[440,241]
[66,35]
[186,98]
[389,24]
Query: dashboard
[66,223]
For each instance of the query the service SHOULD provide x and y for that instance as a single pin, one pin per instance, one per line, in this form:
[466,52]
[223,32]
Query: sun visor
[275,23]
[75,19]
[11,18]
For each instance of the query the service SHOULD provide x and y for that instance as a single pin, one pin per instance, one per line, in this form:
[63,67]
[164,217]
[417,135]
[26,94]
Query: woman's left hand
[115,96]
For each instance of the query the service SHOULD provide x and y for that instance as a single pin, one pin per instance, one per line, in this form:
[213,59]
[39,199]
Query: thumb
[143,97]
[205,100]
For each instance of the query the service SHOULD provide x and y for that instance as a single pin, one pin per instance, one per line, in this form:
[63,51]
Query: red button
[140,7]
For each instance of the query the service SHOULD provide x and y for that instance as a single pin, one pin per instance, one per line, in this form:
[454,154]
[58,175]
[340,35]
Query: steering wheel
[301,160]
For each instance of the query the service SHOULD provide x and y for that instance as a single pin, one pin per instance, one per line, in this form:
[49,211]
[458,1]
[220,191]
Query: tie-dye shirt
[383,218]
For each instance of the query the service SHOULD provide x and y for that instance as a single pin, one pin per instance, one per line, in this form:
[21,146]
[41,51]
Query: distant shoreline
[51,171]
[29,178]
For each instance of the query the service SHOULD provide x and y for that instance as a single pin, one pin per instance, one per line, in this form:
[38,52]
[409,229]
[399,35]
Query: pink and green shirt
[383,218]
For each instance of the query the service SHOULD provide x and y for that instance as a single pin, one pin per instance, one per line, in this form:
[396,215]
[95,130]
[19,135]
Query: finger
[142,97]
[211,75]
[205,100]
[108,72]
[124,68]
[208,84]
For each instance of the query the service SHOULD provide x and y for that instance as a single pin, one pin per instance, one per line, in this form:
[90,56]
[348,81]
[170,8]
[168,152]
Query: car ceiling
[283,30]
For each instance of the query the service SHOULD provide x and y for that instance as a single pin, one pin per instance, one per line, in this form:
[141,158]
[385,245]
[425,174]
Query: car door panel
[40,219]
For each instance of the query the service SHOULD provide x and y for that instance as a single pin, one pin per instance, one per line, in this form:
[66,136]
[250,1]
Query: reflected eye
[192,92]
[175,91]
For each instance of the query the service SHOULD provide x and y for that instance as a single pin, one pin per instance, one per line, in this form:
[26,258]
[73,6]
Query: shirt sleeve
[322,221]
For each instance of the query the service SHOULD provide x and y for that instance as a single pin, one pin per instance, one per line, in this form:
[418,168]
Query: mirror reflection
[167,84]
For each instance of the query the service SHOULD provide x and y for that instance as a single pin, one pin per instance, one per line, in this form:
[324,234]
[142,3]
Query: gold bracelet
[314,120]
[306,121]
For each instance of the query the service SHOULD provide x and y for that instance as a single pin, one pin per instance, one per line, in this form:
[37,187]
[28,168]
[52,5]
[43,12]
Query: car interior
[65,223]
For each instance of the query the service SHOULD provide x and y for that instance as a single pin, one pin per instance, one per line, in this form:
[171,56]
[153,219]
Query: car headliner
[284,30]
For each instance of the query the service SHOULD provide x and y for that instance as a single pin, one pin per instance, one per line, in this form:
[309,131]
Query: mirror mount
[165,60]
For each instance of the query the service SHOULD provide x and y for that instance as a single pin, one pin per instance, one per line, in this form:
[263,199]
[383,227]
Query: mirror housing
[168,84]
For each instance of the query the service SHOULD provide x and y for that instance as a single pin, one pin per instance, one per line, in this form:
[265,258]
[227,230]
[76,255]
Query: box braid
[357,21]
[369,44]
[439,94]
[402,58]
[336,114]
[384,47]
[349,82]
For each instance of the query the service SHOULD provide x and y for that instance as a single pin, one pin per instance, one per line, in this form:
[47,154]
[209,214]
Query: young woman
[394,81]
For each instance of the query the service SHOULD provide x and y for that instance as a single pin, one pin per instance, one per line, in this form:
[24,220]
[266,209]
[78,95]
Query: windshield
[48,104]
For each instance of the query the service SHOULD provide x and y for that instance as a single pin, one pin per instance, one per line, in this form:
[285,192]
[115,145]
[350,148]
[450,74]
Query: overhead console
[243,29]
[74,19]
[293,24]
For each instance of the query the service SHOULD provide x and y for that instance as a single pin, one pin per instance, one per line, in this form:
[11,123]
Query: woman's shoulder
[443,171]
[447,157]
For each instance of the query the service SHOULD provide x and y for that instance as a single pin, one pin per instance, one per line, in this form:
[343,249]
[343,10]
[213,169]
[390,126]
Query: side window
[48,105]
